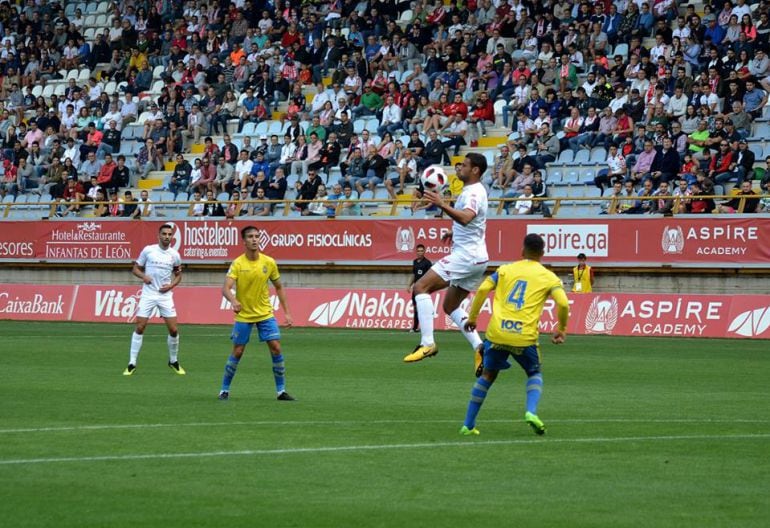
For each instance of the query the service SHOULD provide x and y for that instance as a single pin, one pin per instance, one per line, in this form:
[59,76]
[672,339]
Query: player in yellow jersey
[251,275]
[583,276]
[521,289]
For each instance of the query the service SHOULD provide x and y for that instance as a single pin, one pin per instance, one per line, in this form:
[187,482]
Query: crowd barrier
[686,241]
[722,316]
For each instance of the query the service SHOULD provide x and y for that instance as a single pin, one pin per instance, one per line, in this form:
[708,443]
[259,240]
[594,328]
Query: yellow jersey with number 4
[521,289]
[252,287]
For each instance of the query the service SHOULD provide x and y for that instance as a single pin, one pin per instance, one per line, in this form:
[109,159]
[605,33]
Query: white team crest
[672,240]
[264,239]
[405,239]
[602,316]
[89,227]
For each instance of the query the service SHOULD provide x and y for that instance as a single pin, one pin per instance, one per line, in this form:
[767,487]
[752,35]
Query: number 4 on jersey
[516,297]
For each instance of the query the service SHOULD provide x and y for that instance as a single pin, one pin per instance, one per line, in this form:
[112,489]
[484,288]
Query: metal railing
[616,206]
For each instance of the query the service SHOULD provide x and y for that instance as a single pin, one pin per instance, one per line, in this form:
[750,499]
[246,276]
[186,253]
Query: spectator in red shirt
[73,195]
[483,115]
[719,168]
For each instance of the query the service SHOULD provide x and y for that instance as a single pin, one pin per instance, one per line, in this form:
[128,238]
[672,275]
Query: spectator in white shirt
[391,117]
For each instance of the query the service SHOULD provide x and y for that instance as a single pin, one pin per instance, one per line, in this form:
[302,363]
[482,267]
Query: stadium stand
[204,80]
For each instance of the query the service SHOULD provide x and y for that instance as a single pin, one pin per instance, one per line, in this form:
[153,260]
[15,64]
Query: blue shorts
[268,331]
[496,357]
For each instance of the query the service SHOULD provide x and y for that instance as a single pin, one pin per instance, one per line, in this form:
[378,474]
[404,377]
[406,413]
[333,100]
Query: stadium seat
[582,157]
[761,130]
[89,21]
[571,177]
[566,157]
[621,49]
[553,176]
[102,22]
[89,34]
[275,128]
[598,155]
[91,7]
[223,197]
[249,129]
[110,88]
[358,125]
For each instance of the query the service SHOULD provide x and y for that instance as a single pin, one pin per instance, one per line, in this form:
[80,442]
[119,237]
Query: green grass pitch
[641,432]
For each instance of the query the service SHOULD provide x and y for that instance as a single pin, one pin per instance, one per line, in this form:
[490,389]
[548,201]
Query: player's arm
[282,300]
[138,271]
[562,314]
[177,278]
[461,216]
[227,293]
[487,286]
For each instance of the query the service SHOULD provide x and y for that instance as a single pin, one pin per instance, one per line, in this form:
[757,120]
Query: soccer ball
[434,179]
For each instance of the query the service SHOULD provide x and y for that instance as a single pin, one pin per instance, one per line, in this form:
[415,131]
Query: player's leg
[529,360]
[172,341]
[494,359]
[467,280]
[430,282]
[454,297]
[136,344]
[270,333]
[168,313]
[240,337]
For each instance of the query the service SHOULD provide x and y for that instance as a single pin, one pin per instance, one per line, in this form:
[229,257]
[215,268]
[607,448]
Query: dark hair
[581,256]
[534,244]
[165,226]
[246,230]
[477,160]
[420,246]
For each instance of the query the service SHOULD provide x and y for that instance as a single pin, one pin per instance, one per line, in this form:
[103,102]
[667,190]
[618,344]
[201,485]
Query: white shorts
[460,271]
[163,302]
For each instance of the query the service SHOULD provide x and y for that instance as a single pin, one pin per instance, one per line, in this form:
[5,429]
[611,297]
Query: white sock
[173,348]
[136,346]
[459,316]
[425,315]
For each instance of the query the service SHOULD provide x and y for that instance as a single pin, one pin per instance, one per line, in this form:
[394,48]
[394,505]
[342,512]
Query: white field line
[303,423]
[380,447]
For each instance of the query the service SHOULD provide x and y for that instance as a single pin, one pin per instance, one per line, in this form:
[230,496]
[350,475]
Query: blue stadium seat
[566,157]
[582,157]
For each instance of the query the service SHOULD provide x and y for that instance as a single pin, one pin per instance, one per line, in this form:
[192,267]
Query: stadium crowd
[329,101]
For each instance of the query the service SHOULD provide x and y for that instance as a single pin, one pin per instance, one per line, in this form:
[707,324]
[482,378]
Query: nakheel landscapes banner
[713,241]
[742,316]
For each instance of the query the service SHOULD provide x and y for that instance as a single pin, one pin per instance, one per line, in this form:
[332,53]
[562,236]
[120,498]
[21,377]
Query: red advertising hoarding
[676,241]
[743,316]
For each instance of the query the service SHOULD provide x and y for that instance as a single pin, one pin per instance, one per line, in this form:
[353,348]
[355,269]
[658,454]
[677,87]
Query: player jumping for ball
[463,269]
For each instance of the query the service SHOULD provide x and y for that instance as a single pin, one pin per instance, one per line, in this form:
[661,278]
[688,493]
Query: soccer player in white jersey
[463,269]
[159,268]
